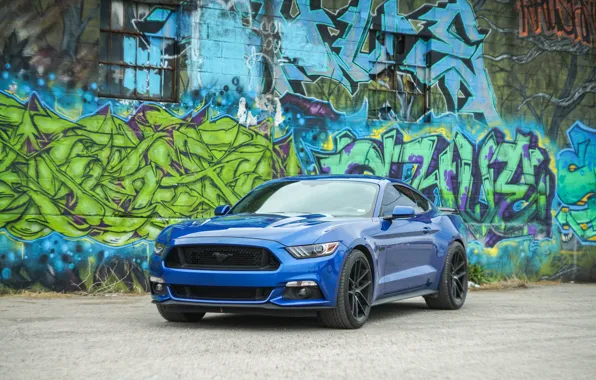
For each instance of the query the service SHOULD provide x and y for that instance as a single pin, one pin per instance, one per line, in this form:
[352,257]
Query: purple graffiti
[526,149]
[310,107]
[463,200]
[348,148]
[417,159]
[504,190]
[448,174]
[490,154]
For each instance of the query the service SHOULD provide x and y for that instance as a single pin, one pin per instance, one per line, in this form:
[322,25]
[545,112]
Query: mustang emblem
[220,257]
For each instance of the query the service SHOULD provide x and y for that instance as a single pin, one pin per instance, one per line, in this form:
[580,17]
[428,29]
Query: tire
[342,316]
[448,299]
[175,316]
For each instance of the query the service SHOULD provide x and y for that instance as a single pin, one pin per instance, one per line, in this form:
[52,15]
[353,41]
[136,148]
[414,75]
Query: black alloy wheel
[459,273]
[360,289]
[354,295]
[453,287]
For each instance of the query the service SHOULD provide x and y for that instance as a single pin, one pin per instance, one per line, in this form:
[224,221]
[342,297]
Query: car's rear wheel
[175,316]
[454,281]
[354,299]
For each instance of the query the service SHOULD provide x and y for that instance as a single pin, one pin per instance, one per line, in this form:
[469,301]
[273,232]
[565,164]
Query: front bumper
[324,271]
[265,308]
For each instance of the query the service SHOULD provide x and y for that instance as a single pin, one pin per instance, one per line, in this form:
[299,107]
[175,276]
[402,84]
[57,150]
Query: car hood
[295,229]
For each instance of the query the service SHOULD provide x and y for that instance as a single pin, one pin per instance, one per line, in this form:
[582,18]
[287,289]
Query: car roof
[351,177]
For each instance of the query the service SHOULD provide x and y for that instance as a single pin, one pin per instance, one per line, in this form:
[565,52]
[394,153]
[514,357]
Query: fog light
[300,284]
[156,279]
[302,290]
[303,293]
[158,288]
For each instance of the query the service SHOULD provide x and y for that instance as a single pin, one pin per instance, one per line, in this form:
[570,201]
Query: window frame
[174,98]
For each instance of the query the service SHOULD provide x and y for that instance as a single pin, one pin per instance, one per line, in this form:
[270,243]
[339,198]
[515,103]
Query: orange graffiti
[572,19]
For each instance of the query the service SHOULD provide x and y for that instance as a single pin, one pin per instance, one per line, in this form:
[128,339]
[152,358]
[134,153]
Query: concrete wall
[486,106]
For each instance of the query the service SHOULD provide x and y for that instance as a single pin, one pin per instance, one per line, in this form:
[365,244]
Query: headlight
[315,250]
[158,248]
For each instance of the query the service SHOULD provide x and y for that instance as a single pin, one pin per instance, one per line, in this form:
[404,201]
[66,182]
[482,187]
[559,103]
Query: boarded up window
[138,50]
[392,92]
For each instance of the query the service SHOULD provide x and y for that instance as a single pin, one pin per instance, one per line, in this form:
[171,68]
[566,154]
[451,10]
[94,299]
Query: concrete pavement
[544,332]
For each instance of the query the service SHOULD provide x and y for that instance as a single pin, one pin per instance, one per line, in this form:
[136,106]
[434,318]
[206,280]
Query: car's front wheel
[354,299]
[175,316]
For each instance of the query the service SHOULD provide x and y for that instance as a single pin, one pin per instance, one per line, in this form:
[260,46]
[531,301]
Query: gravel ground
[544,332]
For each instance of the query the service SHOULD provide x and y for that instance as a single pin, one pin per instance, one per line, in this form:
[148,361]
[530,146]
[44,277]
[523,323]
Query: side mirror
[401,212]
[222,210]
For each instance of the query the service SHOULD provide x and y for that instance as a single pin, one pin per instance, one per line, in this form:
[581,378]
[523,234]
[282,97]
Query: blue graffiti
[64,264]
[242,51]
[317,43]
[458,68]
[576,185]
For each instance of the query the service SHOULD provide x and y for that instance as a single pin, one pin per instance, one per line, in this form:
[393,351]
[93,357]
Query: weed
[477,274]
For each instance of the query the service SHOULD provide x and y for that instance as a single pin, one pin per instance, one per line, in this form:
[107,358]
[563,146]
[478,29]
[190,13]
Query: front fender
[362,242]
[354,235]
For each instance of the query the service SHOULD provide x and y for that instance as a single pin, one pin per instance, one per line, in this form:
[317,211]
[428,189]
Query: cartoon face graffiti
[576,186]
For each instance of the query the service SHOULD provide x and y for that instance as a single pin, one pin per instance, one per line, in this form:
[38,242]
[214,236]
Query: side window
[400,196]
[390,200]
[422,203]
[418,202]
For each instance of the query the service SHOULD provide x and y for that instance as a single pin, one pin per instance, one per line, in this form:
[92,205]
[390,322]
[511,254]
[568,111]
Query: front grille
[221,293]
[221,257]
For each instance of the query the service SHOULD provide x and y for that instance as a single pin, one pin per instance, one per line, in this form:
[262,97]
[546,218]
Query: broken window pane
[169,52]
[103,78]
[117,51]
[104,46]
[104,14]
[168,77]
[115,80]
[130,14]
[117,15]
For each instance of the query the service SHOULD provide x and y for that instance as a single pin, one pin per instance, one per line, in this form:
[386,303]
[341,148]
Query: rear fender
[454,229]
[461,230]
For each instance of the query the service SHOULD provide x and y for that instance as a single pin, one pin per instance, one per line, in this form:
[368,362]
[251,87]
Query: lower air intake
[221,293]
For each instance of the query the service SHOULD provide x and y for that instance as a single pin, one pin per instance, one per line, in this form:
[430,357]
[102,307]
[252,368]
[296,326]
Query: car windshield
[335,198]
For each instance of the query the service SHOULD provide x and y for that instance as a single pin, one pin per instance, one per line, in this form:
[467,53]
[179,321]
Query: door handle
[426,230]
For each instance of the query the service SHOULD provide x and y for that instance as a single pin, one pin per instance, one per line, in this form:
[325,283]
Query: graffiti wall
[118,118]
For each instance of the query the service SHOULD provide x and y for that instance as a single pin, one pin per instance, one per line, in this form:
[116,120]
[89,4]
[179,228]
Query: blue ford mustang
[333,246]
